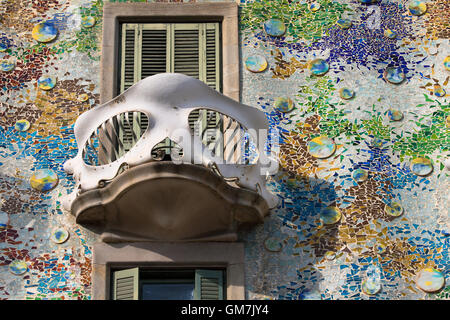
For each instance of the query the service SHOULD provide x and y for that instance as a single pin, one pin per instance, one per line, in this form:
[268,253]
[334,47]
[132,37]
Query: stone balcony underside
[164,201]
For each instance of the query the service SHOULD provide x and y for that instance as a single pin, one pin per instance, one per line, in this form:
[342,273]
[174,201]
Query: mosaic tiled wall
[358,89]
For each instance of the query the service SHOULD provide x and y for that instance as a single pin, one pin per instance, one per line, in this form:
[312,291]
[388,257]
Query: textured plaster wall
[294,255]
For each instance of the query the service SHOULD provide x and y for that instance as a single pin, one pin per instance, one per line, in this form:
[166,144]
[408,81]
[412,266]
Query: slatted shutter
[186,46]
[126,284]
[155,54]
[189,48]
[208,285]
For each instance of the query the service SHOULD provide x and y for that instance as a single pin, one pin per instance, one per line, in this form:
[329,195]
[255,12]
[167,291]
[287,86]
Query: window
[189,48]
[151,48]
[133,38]
[151,284]
[163,260]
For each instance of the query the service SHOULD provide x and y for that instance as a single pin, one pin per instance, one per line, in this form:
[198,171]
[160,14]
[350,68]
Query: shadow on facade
[292,273]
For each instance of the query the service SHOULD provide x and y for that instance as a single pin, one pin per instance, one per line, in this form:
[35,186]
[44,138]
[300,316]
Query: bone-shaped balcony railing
[223,136]
[205,128]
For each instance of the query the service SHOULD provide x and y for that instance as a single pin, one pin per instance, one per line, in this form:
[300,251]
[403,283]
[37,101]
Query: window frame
[191,276]
[116,13]
[108,257]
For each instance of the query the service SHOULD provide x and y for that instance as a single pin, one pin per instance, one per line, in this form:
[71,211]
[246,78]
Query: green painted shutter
[208,285]
[189,48]
[155,52]
[129,55]
[186,49]
[211,73]
[126,284]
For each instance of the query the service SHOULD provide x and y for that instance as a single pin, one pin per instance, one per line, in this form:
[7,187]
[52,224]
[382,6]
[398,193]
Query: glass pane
[168,291]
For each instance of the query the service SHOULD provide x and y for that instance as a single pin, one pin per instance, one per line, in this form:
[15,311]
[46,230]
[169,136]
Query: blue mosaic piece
[7,65]
[393,209]
[360,175]
[344,23]
[274,27]
[18,267]
[321,147]
[318,67]
[395,115]
[256,63]
[88,22]
[273,244]
[346,93]
[44,180]
[417,8]
[44,32]
[22,125]
[330,215]
[421,166]
[394,75]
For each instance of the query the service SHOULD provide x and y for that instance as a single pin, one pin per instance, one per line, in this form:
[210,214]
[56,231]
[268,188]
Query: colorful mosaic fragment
[346,93]
[321,147]
[256,63]
[7,65]
[88,22]
[273,244]
[417,8]
[330,215]
[44,32]
[284,104]
[46,83]
[394,75]
[22,125]
[360,175]
[421,166]
[393,209]
[274,27]
[18,267]
[344,23]
[388,33]
[59,235]
[44,180]
[318,67]
[430,280]
[395,115]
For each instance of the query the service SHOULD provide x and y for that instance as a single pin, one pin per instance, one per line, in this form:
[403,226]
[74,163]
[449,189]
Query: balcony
[170,159]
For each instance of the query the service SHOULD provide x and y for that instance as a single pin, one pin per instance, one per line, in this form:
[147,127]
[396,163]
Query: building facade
[356,90]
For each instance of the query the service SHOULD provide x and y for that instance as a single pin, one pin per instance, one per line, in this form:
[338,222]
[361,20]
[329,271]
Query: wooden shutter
[208,285]
[189,48]
[155,53]
[126,284]
[129,55]
[186,49]
[211,72]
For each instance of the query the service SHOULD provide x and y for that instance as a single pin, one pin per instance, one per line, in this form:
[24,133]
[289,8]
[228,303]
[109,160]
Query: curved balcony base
[163,201]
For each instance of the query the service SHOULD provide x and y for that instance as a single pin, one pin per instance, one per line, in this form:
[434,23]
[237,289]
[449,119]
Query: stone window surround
[224,12]
[168,255]
[228,255]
